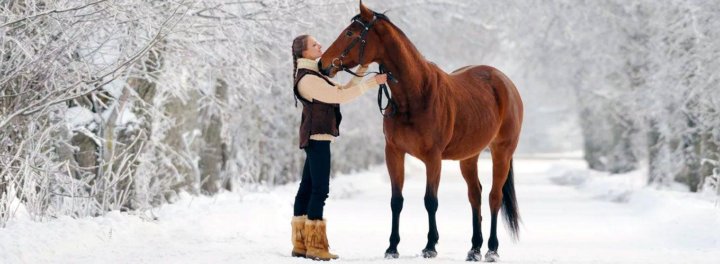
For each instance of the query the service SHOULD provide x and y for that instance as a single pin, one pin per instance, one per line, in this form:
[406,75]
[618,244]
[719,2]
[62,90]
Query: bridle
[361,39]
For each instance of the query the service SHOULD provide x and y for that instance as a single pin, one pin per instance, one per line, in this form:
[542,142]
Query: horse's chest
[399,132]
[412,136]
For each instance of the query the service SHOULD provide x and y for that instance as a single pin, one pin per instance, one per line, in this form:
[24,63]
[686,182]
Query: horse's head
[358,43]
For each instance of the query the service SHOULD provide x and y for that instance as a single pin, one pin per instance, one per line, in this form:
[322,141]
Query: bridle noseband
[362,40]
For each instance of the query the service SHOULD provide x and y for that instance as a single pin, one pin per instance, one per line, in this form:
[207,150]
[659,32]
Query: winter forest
[127,105]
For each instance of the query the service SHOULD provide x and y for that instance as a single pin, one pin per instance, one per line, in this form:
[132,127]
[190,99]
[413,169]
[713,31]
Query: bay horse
[436,116]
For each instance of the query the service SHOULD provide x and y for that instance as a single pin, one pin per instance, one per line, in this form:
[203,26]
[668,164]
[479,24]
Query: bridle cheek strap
[383,90]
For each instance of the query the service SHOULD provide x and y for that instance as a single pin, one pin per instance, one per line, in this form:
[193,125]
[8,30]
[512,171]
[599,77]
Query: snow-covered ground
[570,215]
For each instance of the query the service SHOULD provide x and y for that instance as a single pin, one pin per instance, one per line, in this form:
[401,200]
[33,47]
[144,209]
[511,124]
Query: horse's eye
[349,33]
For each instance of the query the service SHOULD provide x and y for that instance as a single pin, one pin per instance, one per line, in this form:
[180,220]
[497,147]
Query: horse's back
[488,79]
[504,88]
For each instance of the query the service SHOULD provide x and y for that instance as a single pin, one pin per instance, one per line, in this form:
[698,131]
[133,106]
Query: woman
[321,117]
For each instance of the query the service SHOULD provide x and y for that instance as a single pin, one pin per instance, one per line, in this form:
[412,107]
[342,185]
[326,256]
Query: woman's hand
[381,78]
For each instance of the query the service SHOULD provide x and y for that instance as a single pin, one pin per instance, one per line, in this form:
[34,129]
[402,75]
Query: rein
[383,87]
[382,90]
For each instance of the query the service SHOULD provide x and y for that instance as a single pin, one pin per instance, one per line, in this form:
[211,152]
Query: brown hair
[299,45]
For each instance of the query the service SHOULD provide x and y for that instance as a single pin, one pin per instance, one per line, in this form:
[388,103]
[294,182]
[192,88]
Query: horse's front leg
[395,161]
[432,167]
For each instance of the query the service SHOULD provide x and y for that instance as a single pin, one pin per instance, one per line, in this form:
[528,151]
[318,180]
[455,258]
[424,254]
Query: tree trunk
[655,145]
[710,152]
[146,88]
[691,148]
[213,158]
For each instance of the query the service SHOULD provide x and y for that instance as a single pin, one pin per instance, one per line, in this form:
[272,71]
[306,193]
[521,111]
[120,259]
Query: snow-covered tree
[121,104]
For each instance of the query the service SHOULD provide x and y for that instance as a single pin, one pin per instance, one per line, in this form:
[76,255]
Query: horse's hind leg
[469,169]
[395,161]
[502,171]
[432,167]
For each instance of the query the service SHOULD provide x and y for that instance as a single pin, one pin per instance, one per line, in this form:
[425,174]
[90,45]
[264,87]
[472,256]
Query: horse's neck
[413,73]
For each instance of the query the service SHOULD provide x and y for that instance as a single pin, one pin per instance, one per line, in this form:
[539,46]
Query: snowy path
[570,215]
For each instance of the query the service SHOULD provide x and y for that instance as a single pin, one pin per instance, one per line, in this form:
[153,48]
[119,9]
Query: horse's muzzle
[324,71]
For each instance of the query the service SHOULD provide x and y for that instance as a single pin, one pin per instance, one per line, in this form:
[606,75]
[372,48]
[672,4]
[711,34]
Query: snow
[78,117]
[115,87]
[570,215]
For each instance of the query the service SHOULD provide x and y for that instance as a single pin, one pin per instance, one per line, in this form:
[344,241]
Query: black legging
[315,183]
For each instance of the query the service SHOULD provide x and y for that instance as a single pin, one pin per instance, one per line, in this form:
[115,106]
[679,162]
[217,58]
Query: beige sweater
[312,87]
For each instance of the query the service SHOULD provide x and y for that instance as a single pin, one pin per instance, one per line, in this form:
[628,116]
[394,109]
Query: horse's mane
[381,16]
[406,41]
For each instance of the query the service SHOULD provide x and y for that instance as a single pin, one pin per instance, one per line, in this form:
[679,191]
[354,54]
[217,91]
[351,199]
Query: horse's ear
[365,12]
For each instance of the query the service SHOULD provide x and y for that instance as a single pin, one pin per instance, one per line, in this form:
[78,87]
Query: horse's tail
[510,206]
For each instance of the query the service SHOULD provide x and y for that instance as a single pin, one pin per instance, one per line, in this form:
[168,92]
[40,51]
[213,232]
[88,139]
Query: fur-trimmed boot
[316,241]
[298,235]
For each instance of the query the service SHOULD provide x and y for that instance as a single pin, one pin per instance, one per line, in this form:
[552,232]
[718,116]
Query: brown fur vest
[317,117]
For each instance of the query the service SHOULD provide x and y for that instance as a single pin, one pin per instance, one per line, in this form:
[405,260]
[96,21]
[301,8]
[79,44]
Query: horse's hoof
[429,253]
[474,255]
[491,256]
[391,254]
